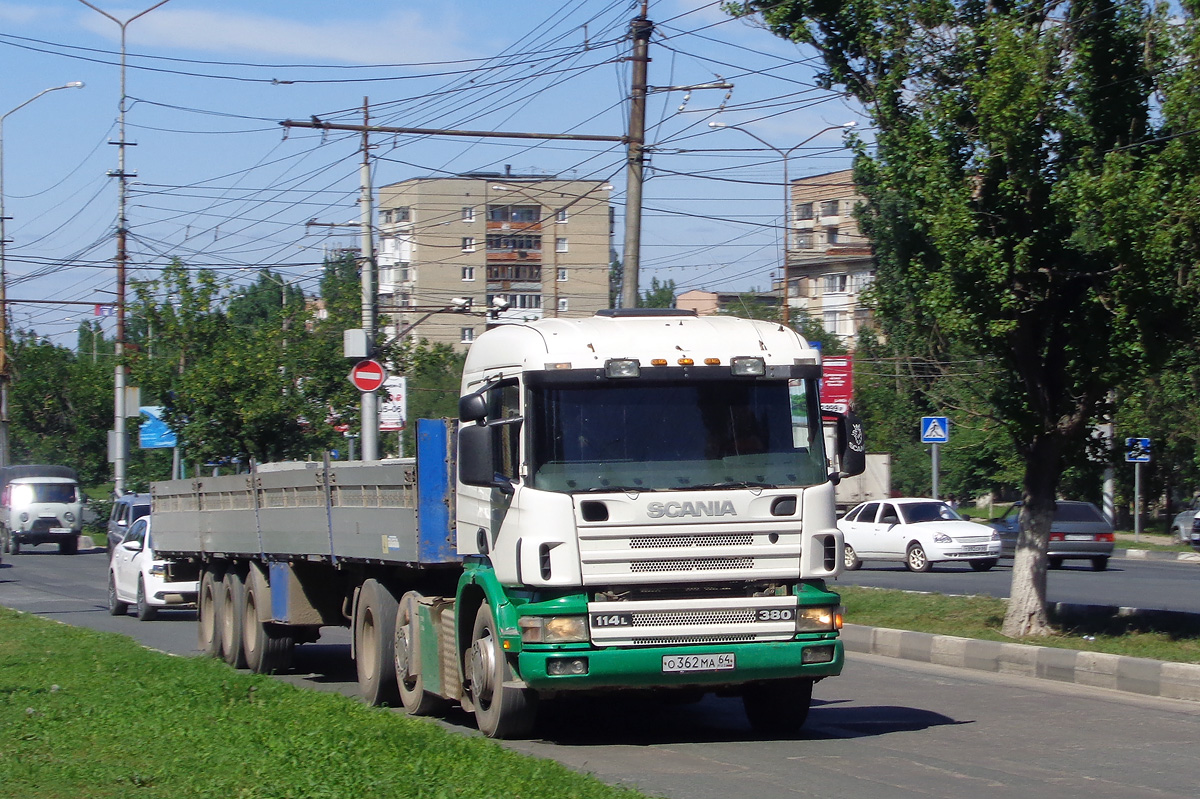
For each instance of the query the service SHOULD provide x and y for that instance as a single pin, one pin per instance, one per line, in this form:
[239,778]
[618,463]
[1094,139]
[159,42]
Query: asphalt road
[1153,584]
[886,728]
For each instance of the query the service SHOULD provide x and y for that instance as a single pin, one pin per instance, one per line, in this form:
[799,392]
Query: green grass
[981,617]
[94,714]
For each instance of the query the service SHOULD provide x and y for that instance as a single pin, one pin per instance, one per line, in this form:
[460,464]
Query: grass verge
[93,714]
[1174,639]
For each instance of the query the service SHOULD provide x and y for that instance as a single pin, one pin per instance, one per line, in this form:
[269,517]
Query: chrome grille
[973,539]
[674,618]
[651,541]
[691,564]
[696,639]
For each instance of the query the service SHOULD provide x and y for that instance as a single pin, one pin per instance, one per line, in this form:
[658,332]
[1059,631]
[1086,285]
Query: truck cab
[40,504]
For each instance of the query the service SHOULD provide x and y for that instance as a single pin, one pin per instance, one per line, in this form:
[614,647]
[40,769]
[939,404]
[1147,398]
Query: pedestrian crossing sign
[935,430]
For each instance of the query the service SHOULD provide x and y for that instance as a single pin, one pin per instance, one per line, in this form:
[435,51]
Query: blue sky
[219,183]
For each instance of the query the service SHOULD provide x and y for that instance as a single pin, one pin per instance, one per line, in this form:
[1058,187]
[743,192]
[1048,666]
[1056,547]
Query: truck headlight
[68,516]
[553,629]
[819,620]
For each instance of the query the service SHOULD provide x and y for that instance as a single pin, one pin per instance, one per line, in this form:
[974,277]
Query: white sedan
[917,532]
[136,577]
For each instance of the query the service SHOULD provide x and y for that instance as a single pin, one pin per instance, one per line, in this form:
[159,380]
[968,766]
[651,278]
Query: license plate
[975,548]
[1078,537]
[682,664]
[63,530]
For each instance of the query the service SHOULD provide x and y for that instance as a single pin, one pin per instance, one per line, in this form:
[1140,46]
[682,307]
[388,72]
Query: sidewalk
[1097,669]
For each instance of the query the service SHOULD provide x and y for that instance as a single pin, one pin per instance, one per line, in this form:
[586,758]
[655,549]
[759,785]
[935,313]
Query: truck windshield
[671,436]
[29,493]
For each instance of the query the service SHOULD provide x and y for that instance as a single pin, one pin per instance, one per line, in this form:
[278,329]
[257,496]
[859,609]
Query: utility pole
[640,29]
[118,440]
[370,400]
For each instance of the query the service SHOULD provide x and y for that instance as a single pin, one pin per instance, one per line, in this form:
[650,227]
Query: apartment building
[535,245]
[829,262]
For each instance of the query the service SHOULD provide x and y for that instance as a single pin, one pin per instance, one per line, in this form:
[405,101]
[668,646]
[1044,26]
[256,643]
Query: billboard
[837,383]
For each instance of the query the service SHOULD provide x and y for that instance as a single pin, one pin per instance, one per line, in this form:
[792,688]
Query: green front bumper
[642,667]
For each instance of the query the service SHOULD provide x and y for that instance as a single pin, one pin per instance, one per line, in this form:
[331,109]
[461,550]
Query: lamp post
[4,448]
[786,221]
[118,438]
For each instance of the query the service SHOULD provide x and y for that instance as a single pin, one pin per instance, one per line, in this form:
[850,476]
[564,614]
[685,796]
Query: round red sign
[368,375]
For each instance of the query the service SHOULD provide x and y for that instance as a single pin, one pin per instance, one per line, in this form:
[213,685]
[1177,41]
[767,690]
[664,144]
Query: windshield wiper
[726,484]
[613,489]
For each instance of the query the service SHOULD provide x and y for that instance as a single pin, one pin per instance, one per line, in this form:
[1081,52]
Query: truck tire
[68,546]
[778,707]
[208,613]
[233,600]
[502,710]
[416,700]
[268,646]
[374,644]
[115,606]
[145,611]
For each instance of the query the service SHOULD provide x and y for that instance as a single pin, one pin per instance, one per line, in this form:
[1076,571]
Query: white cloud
[389,38]
[18,14]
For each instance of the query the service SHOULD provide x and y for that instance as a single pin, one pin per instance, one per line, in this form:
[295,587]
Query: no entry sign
[368,375]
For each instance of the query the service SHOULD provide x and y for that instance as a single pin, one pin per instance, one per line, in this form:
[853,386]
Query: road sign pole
[936,464]
[1137,501]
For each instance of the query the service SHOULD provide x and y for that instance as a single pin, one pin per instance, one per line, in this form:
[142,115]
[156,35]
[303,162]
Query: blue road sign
[1137,450]
[153,432]
[935,430]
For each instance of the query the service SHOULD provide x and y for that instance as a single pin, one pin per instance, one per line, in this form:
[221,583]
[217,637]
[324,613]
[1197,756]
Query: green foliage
[434,374]
[659,295]
[94,714]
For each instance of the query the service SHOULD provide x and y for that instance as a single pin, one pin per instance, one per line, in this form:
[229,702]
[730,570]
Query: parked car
[1079,532]
[136,577]
[1181,525]
[126,510]
[916,532]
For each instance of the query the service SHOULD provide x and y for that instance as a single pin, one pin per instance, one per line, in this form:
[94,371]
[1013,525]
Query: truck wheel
[209,612]
[268,646]
[68,546]
[5,538]
[916,560]
[850,560]
[502,710]
[115,606]
[1099,564]
[983,564]
[779,707]
[14,546]
[233,599]
[145,611]
[416,701]
[374,643]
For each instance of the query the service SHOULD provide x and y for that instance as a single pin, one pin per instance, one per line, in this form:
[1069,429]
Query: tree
[1014,145]
[659,295]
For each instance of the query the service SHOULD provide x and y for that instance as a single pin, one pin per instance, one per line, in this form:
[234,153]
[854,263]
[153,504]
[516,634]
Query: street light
[75,84]
[787,191]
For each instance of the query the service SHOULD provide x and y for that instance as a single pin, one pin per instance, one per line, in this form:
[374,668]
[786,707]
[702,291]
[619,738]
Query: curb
[1095,669]
[1152,554]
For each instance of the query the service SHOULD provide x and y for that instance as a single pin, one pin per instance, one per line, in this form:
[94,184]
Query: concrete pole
[370,400]
[640,29]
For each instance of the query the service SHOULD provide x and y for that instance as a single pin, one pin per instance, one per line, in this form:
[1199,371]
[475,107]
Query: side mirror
[472,408]
[132,546]
[475,464]
[852,446]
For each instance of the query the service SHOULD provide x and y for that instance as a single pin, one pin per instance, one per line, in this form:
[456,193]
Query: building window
[560,245]
[560,215]
[468,273]
[523,272]
[468,244]
[468,335]
[515,301]
[501,243]
[562,275]
[562,304]
[831,235]
[835,284]
[385,216]
[804,241]
[862,319]
[514,213]
[860,281]
[404,273]
[804,210]
[829,208]
[830,320]
[468,214]
[401,214]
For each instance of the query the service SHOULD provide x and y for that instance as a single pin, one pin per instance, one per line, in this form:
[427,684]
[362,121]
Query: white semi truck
[637,500]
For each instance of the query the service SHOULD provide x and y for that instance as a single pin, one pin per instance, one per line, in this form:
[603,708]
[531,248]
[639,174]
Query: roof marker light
[746,366]
[622,367]
[712,361]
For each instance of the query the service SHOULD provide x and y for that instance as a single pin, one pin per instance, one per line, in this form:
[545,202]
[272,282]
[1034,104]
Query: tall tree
[1005,132]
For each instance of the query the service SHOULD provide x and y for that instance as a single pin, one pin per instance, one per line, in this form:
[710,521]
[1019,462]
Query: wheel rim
[370,647]
[483,662]
[208,628]
[848,556]
[916,557]
[227,621]
[250,624]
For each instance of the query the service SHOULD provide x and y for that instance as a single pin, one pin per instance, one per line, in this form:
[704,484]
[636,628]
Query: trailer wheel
[233,600]
[374,642]
[502,710]
[416,701]
[208,607]
[779,707]
[268,646]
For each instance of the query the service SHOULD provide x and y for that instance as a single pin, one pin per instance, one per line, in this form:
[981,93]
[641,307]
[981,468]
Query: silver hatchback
[1079,532]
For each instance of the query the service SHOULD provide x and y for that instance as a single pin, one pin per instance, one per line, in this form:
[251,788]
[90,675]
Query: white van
[40,504]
